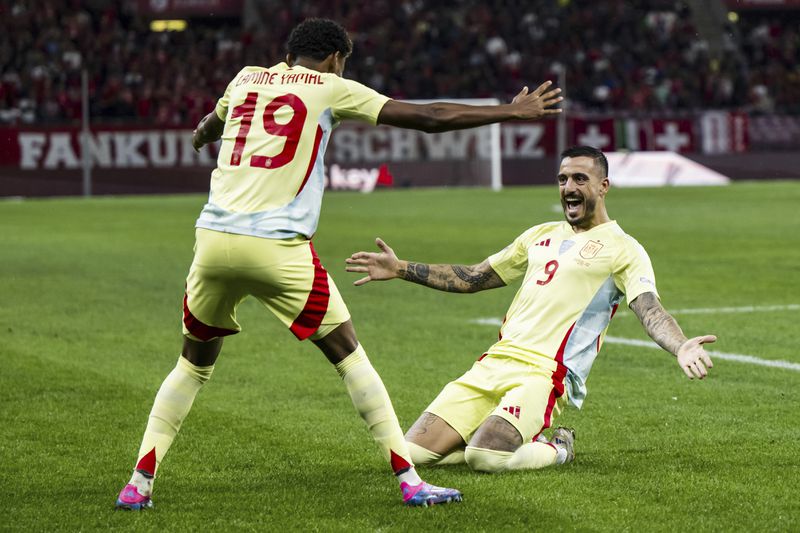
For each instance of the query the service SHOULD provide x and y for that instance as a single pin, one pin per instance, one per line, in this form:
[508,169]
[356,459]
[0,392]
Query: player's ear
[336,63]
[605,184]
[290,59]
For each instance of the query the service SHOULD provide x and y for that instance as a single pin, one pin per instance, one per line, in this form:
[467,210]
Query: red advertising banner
[724,133]
[47,161]
[598,133]
[360,143]
[118,148]
[673,135]
[634,134]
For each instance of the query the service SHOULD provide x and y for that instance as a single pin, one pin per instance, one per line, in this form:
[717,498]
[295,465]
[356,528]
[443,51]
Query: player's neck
[319,66]
[600,217]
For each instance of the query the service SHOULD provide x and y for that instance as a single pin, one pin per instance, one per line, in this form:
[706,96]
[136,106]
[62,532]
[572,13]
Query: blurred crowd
[771,47]
[643,56]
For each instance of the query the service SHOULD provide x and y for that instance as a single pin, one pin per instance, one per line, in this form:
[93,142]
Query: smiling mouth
[572,206]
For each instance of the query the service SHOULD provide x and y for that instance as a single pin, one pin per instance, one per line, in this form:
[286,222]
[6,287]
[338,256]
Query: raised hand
[539,103]
[693,358]
[378,266]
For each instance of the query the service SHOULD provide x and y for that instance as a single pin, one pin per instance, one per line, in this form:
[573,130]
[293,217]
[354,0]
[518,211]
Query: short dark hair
[318,38]
[588,151]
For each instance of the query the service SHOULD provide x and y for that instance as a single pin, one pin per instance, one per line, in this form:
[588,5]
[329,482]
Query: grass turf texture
[90,295]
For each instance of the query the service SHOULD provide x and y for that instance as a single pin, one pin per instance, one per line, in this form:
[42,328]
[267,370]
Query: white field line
[727,310]
[740,358]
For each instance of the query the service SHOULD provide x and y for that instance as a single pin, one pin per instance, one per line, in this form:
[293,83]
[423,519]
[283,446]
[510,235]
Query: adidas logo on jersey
[545,242]
[513,410]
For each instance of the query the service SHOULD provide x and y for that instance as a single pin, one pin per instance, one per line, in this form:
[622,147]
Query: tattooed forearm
[453,278]
[472,277]
[417,272]
[658,324]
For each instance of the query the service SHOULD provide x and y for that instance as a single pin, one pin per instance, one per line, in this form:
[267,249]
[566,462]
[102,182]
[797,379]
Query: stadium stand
[641,57]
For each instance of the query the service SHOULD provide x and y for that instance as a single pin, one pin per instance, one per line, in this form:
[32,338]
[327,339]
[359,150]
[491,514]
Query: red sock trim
[147,464]
[399,465]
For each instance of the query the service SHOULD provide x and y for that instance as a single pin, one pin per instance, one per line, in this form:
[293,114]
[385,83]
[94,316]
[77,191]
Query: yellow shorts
[528,397]
[285,275]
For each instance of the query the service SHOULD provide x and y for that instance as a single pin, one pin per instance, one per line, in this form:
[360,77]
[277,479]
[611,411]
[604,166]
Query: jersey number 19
[291,130]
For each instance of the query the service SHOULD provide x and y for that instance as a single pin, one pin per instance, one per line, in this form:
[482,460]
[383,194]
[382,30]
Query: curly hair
[318,38]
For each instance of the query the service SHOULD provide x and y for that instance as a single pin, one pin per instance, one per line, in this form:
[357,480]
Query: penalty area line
[738,357]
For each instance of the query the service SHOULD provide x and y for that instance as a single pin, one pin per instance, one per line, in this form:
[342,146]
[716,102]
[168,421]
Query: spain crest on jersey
[590,249]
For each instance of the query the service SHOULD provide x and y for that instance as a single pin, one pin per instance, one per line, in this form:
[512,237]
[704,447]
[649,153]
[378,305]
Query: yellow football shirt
[269,178]
[572,284]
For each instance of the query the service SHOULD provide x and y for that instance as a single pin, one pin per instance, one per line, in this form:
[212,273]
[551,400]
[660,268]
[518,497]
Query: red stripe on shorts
[314,154]
[204,332]
[309,319]
[558,379]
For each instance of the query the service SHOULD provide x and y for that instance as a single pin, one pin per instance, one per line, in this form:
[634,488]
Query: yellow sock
[453,458]
[531,456]
[172,404]
[423,456]
[486,460]
[373,404]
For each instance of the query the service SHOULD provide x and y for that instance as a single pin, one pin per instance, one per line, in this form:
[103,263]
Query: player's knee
[336,343]
[200,353]
[485,460]
[201,374]
[421,455]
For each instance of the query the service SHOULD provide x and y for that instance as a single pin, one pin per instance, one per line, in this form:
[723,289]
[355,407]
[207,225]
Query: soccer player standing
[575,274]
[253,235]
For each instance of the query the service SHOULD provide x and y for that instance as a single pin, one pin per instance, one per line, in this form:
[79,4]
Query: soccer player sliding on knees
[575,274]
[253,235]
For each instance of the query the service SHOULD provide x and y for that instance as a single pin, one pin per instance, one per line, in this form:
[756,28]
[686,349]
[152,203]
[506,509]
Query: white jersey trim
[583,343]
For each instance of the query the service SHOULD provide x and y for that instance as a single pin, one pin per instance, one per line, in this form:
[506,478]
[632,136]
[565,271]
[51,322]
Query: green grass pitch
[90,300]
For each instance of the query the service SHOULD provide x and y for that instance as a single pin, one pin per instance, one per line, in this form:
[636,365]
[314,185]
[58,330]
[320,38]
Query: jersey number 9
[549,269]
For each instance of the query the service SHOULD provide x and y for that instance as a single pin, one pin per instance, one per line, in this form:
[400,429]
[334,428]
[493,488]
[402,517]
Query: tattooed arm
[663,329]
[451,278]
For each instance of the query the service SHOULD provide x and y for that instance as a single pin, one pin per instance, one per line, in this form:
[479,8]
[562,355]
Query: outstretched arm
[451,278]
[663,329]
[442,116]
[207,131]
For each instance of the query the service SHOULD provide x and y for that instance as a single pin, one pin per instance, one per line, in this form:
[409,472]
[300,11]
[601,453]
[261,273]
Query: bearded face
[581,187]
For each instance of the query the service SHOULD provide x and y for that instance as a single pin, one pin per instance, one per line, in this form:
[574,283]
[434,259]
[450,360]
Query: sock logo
[515,410]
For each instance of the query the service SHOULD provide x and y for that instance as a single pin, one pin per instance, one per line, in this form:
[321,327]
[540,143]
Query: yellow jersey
[572,284]
[269,177]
